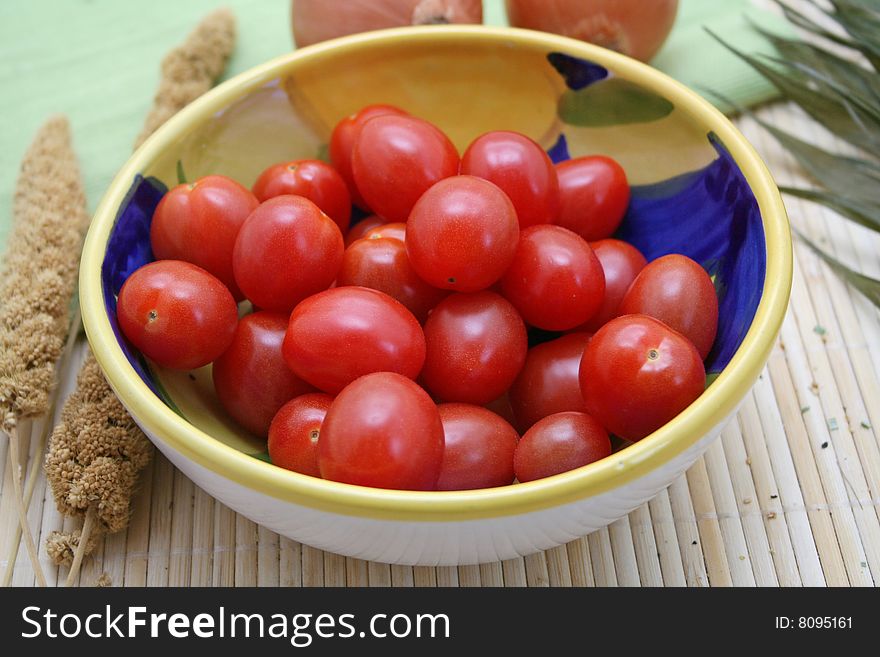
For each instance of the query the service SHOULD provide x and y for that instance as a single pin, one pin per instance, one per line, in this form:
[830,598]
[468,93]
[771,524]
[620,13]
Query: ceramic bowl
[699,188]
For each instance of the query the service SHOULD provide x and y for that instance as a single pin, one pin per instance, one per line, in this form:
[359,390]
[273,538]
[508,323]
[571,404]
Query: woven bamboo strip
[23,570]
[92,568]
[202,538]
[797,402]
[823,525]
[379,574]
[223,570]
[625,564]
[765,526]
[776,483]
[514,572]
[602,557]
[290,562]
[161,508]
[4,446]
[491,574]
[579,561]
[717,567]
[447,576]
[669,551]
[52,521]
[334,569]
[688,535]
[424,576]
[645,546]
[8,510]
[356,573]
[558,569]
[138,537]
[114,555]
[743,566]
[469,576]
[267,558]
[180,561]
[245,553]
[312,566]
[402,576]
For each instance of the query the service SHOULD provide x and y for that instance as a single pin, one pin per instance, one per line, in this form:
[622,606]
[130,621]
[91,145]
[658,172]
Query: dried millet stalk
[37,280]
[39,272]
[191,69]
[97,450]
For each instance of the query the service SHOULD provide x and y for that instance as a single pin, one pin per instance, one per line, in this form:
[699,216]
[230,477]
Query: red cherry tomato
[476,345]
[198,223]
[677,291]
[287,250]
[361,228]
[548,382]
[381,264]
[384,431]
[176,314]
[395,230]
[251,379]
[312,179]
[621,263]
[555,281]
[594,195]
[637,374]
[462,234]
[521,169]
[295,433]
[478,448]
[341,334]
[396,159]
[560,443]
[342,141]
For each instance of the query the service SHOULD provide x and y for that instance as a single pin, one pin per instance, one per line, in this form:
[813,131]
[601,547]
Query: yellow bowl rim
[719,400]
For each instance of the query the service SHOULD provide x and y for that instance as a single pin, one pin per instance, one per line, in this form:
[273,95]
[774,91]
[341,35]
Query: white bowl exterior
[433,543]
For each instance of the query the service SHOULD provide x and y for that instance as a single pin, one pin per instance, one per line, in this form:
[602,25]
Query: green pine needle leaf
[868,286]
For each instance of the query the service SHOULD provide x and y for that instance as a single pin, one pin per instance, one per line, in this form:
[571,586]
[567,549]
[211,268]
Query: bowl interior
[689,195]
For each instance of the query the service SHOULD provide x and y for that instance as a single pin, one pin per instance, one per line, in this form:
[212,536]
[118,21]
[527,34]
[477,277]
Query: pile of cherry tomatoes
[395,352]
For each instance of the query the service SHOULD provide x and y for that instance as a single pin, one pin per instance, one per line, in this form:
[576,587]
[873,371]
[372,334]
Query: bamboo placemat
[788,496]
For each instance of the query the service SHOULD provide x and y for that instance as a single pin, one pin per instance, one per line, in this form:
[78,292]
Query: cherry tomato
[559,443]
[251,379]
[340,334]
[594,195]
[395,159]
[176,314]
[396,230]
[637,374]
[312,179]
[287,250]
[548,382]
[198,223]
[621,263]
[295,433]
[361,228]
[384,431]
[381,263]
[521,169]
[555,281]
[677,291]
[476,345]
[478,448]
[342,141]
[462,234]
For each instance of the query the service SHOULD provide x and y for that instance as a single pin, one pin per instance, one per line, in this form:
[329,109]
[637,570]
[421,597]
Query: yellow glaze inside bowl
[467,80]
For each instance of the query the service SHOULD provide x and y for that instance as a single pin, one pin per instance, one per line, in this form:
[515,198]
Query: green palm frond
[842,94]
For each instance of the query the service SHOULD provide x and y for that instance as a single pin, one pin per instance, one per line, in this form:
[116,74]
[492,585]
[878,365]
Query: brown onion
[319,20]
[634,27]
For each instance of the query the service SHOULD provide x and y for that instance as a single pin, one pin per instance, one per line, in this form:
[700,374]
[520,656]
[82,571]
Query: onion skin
[633,27]
[318,20]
